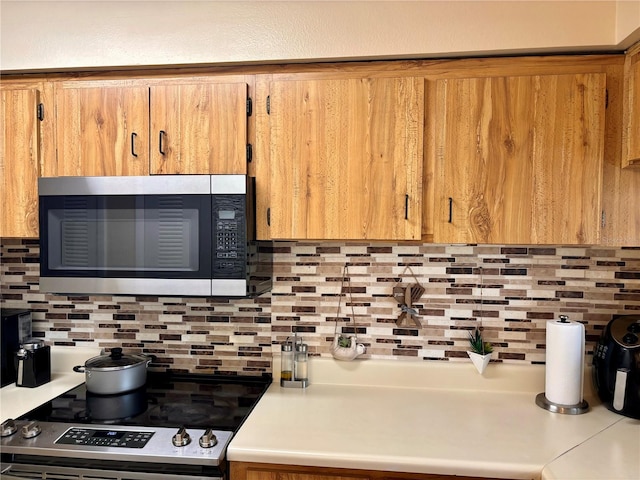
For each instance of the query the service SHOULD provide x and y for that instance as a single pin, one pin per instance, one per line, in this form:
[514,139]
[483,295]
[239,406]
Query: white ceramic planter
[479,361]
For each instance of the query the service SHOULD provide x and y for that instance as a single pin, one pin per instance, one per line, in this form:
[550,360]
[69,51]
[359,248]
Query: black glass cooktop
[220,402]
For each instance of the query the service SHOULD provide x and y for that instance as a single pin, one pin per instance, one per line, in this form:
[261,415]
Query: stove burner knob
[31,430]
[181,438]
[208,439]
[8,428]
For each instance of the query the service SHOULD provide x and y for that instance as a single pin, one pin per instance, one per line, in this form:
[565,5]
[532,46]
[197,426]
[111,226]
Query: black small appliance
[33,364]
[616,365]
[15,329]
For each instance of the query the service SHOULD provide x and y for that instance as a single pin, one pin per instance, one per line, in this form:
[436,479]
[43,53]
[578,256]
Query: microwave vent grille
[173,230]
[75,233]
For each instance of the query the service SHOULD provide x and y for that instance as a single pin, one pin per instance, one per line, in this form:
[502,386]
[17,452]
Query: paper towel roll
[564,371]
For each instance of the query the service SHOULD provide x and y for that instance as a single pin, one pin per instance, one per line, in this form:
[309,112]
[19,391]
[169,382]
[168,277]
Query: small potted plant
[346,347]
[480,352]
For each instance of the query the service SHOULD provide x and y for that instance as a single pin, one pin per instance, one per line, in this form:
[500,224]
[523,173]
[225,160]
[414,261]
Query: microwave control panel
[229,236]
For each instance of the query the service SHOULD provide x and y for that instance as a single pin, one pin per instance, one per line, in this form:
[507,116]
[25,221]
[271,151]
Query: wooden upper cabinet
[19,160]
[199,128]
[519,159]
[346,158]
[631,109]
[102,128]
[143,126]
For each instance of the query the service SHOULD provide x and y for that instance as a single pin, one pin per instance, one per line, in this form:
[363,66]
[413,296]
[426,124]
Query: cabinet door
[264,471]
[286,475]
[519,159]
[199,128]
[19,162]
[346,158]
[631,109]
[102,129]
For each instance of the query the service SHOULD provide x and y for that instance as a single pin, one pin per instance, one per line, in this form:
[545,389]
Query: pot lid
[115,360]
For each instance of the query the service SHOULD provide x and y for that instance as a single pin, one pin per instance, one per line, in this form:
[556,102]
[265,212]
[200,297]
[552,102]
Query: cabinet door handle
[450,209]
[162,134]
[406,207]
[133,144]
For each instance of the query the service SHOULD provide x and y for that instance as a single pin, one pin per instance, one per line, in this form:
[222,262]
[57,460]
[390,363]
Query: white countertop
[423,417]
[16,401]
[430,417]
[613,454]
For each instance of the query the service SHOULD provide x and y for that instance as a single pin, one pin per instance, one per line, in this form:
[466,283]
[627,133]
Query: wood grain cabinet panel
[150,126]
[621,186]
[346,158]
[631,109]
[519,159]
[284,475]
[19,160]
[102,129]
[199,128]
[264,471]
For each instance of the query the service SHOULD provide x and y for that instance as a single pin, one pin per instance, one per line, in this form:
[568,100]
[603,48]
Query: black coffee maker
[33,364]
[14,330]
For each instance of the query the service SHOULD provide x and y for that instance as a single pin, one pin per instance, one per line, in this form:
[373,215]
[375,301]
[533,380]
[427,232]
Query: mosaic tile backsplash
[510,292]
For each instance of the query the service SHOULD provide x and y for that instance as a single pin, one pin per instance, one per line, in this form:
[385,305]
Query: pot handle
[79,369]
[151,358]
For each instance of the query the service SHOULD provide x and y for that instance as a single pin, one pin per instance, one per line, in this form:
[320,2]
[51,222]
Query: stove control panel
[105,438]
[132,443]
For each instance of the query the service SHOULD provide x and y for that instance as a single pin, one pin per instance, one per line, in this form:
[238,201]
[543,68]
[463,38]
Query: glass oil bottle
[294,362]
[286,361]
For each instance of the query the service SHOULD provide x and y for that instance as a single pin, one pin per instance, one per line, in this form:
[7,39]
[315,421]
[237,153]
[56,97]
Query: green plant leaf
[477,343]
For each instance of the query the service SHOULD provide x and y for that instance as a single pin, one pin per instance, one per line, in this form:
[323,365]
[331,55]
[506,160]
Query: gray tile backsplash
[510,291]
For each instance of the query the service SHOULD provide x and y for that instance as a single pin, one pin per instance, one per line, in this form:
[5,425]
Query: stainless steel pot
[114,373]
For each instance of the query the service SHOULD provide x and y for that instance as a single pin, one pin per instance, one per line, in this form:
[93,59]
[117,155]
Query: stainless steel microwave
[169,235]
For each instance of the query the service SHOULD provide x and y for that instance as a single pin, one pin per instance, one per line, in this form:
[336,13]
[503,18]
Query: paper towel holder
[543,402]
[577,409]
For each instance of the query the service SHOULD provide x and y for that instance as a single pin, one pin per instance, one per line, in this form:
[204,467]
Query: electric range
[177,426]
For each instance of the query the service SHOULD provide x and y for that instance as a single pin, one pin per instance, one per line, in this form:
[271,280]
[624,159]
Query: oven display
[105,438]
[108,434]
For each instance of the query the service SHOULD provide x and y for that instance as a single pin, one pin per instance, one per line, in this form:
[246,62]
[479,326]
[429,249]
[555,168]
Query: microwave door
[173,235]
[138,244]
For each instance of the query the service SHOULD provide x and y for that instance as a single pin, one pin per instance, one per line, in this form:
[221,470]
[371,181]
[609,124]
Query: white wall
[77,34]
[627,23]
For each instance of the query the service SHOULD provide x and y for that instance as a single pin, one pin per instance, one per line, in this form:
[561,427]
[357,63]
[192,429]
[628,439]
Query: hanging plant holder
[406,297]
[346,347]
[480,350]
[479,361]
[346,353]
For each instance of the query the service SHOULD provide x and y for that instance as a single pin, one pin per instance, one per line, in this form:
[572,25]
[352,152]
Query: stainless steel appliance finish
[616,365]
[182,432]
[87,471]
[120,443]
[154,235]
[114,373]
